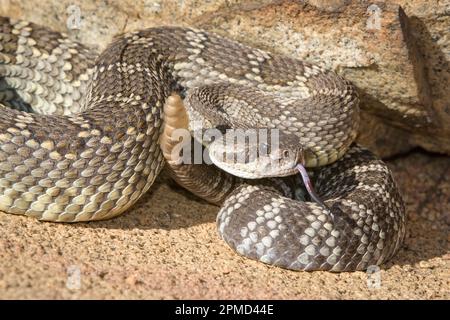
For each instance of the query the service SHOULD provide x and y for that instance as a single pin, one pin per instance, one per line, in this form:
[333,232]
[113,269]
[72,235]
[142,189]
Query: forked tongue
[309,187]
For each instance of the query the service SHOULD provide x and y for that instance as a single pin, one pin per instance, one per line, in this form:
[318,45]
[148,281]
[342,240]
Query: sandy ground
[166,247]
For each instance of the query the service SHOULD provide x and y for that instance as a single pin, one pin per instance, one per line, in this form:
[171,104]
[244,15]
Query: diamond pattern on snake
[83,136]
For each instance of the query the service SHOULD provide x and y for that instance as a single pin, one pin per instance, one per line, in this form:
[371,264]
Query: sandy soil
[166,247]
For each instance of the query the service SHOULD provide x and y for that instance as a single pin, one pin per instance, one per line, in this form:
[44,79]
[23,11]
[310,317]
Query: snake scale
[80,138]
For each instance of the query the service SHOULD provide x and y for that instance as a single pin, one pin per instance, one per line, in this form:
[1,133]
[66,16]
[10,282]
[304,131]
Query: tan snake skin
[96,150]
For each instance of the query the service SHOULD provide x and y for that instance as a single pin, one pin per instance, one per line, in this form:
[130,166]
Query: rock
[398,58]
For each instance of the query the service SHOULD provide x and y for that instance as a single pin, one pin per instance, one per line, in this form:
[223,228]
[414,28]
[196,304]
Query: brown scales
[97,163]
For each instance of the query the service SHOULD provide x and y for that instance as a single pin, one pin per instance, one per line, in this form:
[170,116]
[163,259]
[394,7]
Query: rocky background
[398,55]
[396,52]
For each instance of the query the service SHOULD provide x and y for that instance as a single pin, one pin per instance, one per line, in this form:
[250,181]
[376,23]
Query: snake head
[257,153]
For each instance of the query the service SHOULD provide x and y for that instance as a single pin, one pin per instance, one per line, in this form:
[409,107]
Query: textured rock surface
[401,65]
[167,247]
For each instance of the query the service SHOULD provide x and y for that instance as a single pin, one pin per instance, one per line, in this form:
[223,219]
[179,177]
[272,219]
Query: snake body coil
[90,148]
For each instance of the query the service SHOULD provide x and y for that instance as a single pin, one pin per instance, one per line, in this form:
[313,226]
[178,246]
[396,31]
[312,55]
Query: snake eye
[286,153]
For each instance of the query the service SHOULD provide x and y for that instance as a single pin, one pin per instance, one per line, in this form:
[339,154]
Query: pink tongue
[310,188]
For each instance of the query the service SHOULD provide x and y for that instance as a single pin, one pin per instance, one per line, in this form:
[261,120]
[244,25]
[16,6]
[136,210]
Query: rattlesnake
[89,148]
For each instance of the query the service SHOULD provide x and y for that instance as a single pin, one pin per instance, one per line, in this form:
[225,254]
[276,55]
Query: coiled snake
[88,147]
